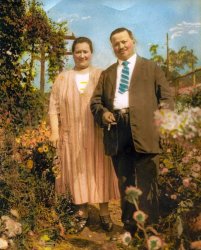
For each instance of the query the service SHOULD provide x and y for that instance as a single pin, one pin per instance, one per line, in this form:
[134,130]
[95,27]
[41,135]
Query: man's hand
[108,117]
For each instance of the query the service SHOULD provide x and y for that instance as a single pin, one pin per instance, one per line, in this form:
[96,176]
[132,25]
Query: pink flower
[154,243]
[198,158]
[196,167]
[186,182]
[195,150]
[185,90]
[140,216]
[173,196]
[164,171]
[185,159]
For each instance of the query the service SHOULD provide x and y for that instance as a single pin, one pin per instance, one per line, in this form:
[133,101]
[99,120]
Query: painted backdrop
[150,21]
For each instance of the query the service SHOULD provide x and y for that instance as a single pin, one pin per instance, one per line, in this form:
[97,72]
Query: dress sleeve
[54,97]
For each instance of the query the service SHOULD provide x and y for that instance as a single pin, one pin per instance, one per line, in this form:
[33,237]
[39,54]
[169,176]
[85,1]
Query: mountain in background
[150,22]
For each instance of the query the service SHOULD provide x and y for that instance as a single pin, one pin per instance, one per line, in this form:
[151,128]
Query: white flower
[15,213]
[3,244]
[133,191]
[126,238]
[132,194]
[186,123]
[12,228]
[8,52]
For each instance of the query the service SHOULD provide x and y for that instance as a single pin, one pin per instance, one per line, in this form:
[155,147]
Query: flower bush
[186,124]
[33,217]
[9,229]
[151,237]
[38,153]
[180,175]
[189,97]
[179,178]
[21,106]
[29,166]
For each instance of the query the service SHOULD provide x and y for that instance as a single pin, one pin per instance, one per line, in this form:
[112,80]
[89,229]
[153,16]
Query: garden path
[93,237]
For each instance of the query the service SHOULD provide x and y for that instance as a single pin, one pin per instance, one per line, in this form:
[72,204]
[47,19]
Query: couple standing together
[122,143]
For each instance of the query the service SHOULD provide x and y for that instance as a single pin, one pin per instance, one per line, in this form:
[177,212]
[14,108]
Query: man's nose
[121,45]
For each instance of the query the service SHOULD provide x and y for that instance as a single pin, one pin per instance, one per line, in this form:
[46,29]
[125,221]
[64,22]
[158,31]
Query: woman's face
[82,55]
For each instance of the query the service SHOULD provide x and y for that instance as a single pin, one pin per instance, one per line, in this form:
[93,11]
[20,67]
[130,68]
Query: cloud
[74,18]
[85,17]
[185,28]
[193,32]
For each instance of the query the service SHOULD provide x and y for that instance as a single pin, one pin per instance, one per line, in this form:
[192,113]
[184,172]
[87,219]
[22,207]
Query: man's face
[123,45]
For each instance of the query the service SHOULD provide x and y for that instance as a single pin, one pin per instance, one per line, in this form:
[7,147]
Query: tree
[44,39]
[57,50]
[155,57]
[177,61]
[20,105]
[190,60]
[11,47]
[38,29]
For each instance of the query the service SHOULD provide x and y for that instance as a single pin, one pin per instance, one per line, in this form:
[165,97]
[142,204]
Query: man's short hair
[121,30]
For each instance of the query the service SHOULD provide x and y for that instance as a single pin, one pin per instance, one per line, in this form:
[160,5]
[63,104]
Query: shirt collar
[131,60]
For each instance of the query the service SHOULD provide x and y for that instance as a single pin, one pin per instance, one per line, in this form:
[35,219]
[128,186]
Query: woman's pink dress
[85,170]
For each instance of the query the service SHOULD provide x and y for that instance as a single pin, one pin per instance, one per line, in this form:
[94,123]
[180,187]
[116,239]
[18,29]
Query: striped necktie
[124,80]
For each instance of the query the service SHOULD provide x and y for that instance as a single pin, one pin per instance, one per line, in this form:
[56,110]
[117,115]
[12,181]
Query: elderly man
[123,103]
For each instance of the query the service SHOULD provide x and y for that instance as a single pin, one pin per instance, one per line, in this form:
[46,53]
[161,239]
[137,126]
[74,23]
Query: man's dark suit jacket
[148,89]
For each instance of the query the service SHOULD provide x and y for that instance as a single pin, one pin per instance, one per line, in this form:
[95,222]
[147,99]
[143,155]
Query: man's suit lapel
[137,74]
[112,79]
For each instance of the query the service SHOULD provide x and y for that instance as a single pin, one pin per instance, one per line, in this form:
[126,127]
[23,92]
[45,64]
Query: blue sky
[149,20]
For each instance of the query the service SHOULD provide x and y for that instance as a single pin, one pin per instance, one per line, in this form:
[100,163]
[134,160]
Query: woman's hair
[82,39]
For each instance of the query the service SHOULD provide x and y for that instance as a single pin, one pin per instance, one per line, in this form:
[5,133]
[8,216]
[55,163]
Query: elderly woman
[85,170]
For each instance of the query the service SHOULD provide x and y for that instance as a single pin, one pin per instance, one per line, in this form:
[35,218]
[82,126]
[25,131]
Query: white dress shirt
[122,100]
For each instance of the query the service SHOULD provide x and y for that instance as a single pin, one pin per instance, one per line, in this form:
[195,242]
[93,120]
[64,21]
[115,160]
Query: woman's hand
[54,138]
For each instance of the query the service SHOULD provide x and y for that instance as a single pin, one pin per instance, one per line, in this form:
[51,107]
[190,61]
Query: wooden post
[167,60]
[70,37]
[193,76]
[42,69]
